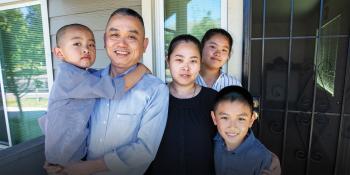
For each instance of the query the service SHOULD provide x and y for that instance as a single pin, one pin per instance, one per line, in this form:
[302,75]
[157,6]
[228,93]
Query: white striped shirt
[223,81]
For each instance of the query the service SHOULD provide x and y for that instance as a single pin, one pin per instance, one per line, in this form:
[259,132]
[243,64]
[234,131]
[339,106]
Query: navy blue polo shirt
[251,157]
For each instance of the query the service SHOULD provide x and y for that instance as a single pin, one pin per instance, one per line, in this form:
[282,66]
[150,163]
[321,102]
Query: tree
[23,50]
[207,22]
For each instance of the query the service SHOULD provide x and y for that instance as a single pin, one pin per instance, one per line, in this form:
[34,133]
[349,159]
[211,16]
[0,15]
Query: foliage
[22,47]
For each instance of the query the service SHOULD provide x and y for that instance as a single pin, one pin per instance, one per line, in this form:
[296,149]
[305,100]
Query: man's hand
[85,167]
[133,77]
[80,168]
[53,168]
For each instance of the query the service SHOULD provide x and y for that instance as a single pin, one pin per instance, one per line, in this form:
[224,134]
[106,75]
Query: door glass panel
[336,13]
[323,154]
[298,128]
[193,17]
[306,17]
[301,80]
[343,158]
[277,18]
[24,70]
[271,123]
[255,78]
[276,69]
[257,19]
[331,68]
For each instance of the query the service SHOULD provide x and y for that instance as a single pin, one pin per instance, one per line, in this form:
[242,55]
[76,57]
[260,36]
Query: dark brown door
[296,60]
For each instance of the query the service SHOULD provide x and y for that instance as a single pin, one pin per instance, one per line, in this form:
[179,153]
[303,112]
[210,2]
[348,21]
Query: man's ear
[145,44]
[213,117]
[104,40]
[58,53]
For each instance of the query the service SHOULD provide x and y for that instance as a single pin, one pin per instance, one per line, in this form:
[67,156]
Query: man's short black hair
[127,12]
[232,94]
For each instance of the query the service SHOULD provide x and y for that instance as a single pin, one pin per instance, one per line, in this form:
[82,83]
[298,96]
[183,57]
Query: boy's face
[77,47]
[233,120]
[216,51]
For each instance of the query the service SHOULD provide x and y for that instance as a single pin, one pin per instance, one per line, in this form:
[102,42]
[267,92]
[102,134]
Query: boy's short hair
[234,93]
[214,31]
[60,33]
[127,12]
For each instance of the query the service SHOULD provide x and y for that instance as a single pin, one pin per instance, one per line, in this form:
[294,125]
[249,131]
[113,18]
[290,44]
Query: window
[193,17]
[175,17]
[26,74]
[328,55]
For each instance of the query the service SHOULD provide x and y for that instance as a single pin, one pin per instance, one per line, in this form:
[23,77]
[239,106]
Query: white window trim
[147,19]
[153,14]
[235,27]
[11,4]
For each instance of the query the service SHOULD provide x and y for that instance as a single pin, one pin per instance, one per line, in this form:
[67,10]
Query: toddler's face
[233,120]
[77,47]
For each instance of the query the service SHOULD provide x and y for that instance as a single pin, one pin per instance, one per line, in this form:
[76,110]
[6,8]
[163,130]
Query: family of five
[124,120]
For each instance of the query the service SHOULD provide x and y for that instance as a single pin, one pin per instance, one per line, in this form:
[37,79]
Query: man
[125,133]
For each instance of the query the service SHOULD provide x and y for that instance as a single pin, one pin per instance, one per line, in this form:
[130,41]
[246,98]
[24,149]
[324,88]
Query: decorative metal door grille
[296,61]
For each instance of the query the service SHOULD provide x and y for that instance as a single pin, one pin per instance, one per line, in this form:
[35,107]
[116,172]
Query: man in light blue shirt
[125,134]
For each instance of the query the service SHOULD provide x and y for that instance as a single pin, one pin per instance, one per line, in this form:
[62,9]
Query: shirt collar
[107,70]
[247,142]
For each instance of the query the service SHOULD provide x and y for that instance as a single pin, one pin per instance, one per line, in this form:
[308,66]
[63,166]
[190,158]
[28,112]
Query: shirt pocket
[122,128]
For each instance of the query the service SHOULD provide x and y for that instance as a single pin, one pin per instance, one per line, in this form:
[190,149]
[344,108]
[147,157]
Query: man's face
[124,41]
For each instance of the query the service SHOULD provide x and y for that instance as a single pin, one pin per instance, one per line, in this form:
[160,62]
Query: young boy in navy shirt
[236,150]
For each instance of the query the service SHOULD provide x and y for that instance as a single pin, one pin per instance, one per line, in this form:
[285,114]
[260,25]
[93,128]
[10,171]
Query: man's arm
[135,76]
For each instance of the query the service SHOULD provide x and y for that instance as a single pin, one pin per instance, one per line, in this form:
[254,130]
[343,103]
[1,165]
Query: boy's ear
[254,117]
[213,117]
[58,53]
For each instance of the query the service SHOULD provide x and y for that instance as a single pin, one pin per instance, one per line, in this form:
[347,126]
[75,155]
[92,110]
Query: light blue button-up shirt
[127,132]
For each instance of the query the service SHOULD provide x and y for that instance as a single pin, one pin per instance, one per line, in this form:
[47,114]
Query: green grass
[28,102]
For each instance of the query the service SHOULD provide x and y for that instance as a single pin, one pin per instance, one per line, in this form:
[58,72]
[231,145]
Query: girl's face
[233,120]
[216,51]
[184,63]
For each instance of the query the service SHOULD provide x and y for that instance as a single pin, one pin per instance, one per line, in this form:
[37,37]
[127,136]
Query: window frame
[12,4]
[153,15]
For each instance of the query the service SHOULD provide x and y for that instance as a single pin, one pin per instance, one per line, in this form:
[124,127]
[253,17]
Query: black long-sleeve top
[187,144]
